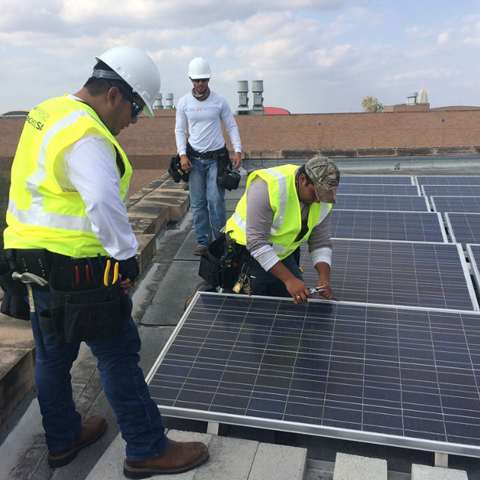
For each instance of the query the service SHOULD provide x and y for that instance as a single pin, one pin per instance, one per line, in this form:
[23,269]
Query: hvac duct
[257,88]
[242,87]
[169,101]
[157,104]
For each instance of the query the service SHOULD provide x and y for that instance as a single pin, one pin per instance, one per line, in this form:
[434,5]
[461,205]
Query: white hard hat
[137,69]
[199,68]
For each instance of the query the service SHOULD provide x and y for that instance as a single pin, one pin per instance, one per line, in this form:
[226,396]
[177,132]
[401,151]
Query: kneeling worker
[282,208]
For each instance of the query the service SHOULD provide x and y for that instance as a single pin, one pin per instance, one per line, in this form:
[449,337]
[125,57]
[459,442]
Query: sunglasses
[137,109]
[198,80]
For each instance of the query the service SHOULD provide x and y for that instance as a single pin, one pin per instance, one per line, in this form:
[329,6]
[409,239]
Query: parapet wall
[151,142]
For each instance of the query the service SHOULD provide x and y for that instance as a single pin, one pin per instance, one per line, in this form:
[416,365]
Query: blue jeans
[207,200]
[123,383]
[263,282]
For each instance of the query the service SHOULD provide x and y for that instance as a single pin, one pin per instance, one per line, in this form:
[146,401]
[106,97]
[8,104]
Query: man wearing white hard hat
[68,233]
[200,114]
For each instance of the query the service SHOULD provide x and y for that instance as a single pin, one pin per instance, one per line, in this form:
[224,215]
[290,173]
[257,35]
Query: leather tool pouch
[226,176]
[83,310]
[218,264]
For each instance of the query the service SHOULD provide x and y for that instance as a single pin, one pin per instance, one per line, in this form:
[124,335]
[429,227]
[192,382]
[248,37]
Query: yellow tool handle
[115,273]
[107,270]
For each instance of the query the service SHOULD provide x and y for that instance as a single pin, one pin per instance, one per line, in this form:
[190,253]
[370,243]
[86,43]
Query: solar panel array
[398,273]
[455,204]
[463,227]
[447,180]
[385,225]
[451,190]
[358,189]
[473,251]
[395,361]
[382,202]
[377,179]
[404,377]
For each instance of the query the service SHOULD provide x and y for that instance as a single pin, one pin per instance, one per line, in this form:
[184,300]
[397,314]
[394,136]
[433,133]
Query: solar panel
[398,273]
[473,251]
[463,227]
[384,375]
[448,180]
[401,203]
[451,190]
[384,225]
[377,179]
[455,204]
[359,189]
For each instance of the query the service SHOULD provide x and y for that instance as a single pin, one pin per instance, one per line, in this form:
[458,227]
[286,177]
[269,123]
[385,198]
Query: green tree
[372,105]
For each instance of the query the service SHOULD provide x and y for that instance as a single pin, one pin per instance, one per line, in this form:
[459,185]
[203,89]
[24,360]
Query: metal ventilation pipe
[157,104]
[257,88]
[169,101]
[242,87]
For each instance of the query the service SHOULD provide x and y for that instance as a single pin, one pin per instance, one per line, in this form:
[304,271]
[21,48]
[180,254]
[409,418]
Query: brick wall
[153,140]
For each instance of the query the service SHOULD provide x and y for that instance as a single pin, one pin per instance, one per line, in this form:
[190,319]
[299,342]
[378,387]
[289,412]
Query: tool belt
[82,307]
[218,265]
[226,177]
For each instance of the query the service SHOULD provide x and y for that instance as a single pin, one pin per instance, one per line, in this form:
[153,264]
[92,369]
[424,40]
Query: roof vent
[169,101]
[257,88]
[157,104]
[242,87]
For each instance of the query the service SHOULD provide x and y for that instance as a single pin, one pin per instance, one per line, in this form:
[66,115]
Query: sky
[314,56]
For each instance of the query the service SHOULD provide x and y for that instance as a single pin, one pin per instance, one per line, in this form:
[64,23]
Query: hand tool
[107,271]
[317,289]
[90,267]
[28,278]
[115,272]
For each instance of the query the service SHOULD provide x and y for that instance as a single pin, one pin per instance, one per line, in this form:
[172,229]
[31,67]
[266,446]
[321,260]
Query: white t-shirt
[204,123]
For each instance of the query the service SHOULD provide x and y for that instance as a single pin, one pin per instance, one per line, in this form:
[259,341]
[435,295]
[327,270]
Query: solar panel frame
[463,228]
[447,180]
[402,203]
[361,189]
[388,225]
[455,204]
[378,179]
[473,253]
[451,190]
[398,273]
[439,407]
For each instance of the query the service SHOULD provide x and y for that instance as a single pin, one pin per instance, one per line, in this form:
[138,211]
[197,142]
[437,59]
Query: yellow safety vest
[287,216]
[41,214]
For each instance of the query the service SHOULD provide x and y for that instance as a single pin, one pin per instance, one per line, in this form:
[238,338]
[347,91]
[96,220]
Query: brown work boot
[200,250]
[92,430]
[177,458]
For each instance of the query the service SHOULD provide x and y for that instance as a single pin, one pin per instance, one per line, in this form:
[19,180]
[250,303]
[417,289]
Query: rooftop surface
[166,283]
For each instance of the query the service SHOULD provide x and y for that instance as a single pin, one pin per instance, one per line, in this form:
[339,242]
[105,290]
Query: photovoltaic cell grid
[451,190]
[402,203]
[473,251]
[463,227]
[455,204]
[384,225]
[448,180]
[393,376]
[431,275]
[359,189]
[377,180]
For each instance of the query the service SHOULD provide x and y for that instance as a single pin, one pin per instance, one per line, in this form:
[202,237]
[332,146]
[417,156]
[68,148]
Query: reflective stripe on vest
[283,177]
[41,212]
[35,215]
